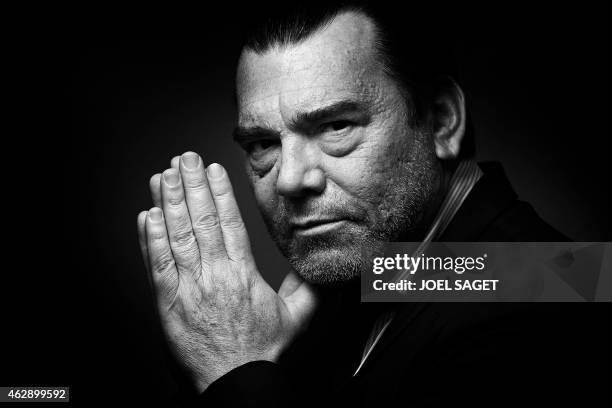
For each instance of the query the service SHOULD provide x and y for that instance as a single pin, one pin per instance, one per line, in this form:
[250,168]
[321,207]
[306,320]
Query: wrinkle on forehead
[337,62]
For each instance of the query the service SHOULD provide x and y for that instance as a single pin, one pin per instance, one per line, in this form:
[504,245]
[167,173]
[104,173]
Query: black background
[80,309]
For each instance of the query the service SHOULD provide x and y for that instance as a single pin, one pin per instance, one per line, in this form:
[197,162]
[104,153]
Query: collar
[465,177]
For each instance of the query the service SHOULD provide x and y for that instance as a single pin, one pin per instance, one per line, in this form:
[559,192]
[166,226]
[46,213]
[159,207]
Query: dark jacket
[432,354]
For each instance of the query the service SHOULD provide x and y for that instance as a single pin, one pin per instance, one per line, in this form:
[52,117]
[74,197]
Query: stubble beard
[340,256]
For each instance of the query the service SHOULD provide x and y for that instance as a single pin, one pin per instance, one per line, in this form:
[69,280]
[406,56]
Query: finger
[155,187]
[142,237]
[164,274]
[178,223]
[289,285]
[302,301]
[174,163]
[202,210]
[234,231]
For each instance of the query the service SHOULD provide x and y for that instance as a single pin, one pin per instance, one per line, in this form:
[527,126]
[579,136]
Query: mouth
[313,227]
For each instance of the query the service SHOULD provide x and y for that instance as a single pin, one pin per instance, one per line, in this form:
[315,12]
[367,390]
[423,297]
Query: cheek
[359,176]
[264,189]
[367,172]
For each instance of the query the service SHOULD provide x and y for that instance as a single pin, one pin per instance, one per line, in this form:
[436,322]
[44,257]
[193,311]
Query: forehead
[335,63]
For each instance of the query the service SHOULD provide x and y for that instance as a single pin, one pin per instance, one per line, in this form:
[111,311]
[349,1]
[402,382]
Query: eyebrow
[328,112]
[243,134]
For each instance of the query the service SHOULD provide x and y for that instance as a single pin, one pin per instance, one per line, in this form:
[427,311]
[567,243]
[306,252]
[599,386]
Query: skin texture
[217,311]
[361,166]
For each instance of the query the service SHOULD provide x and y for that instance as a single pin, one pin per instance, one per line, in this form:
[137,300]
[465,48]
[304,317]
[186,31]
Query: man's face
[335,167]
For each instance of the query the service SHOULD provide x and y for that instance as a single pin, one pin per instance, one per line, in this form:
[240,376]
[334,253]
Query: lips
[316,225]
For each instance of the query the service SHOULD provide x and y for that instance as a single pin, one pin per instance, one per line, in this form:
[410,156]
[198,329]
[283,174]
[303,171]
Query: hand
[216,309]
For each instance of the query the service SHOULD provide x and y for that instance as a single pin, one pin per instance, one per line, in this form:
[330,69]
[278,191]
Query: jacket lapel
[491,195]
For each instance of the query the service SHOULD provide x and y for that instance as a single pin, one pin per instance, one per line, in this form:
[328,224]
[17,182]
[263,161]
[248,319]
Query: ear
[449,121]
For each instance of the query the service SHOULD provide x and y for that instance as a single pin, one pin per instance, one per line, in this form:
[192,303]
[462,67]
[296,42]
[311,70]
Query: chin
[331,258]
[330,261]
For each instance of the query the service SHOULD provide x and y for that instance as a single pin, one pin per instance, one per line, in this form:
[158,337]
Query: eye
[262,155]
[337,125]
[261,145]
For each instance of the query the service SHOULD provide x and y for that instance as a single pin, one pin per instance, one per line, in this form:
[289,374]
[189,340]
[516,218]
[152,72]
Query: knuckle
[194,182]
[221,189]
[175,200]
[184,237]
[206,222]
[163,263]
[233,222]
[157,235]
[222,193]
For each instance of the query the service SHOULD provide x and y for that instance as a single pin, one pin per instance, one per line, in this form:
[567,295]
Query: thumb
[290,284]
[299,297]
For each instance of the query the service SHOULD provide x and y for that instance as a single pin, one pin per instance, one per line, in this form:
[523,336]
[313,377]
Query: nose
[300,173]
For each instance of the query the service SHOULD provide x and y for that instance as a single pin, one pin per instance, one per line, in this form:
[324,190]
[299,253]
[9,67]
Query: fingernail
[155,214]
[171,177]
[154,181]
[215,170]
[190,160]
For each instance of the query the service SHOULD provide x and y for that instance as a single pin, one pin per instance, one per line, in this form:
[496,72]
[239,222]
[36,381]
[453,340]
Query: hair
[415,48]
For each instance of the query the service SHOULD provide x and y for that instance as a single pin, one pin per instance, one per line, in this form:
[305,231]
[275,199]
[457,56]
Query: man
[348,148]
